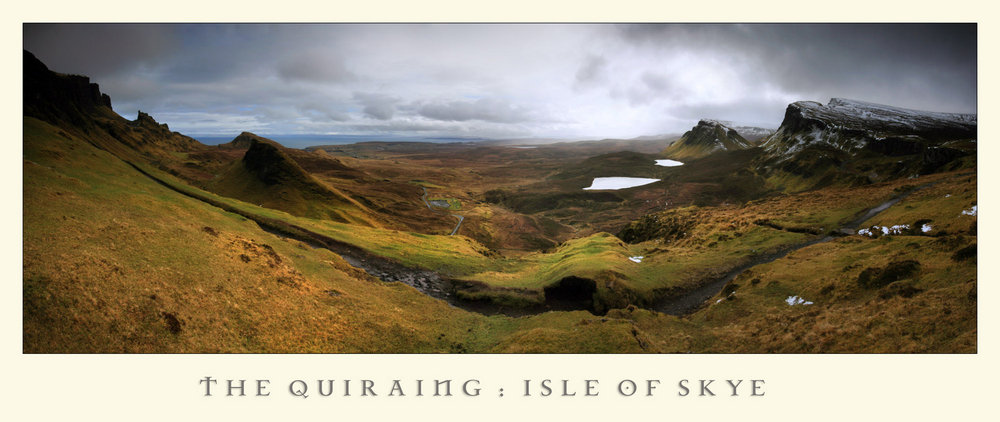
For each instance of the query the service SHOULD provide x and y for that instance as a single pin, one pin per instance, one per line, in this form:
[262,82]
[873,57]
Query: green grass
[929,311]
[593,257]
[940,206]
[109,254]
[115,262]
[289,189]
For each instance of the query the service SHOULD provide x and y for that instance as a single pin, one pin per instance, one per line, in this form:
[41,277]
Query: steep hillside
[77,105]
[855,142]
[707,137]
[852,125]
[269,177]
[116,261]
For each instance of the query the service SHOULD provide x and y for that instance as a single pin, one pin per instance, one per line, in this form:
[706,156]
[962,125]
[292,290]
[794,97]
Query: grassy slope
[940,316]
[941,204]
[685,151]
[114,262]
[296,192]
[931,310]
[721,238]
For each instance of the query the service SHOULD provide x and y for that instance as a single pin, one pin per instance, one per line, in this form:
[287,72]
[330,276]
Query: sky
[566,81]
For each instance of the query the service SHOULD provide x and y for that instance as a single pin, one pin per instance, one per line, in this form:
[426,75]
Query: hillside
[119,261]
[124,253]
[855,142]
[852,125]
[267,176]
[707,137]
[78,105]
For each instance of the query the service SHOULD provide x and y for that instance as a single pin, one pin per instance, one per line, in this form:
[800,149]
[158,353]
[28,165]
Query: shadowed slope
[707,137]
[269,177]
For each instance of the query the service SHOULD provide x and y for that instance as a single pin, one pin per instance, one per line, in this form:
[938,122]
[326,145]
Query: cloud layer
[568,80]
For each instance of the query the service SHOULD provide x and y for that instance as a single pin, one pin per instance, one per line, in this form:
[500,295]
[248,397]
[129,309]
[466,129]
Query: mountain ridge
[851,125]
[859,142]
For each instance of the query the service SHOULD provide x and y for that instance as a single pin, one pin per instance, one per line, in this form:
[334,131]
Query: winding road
[459,217]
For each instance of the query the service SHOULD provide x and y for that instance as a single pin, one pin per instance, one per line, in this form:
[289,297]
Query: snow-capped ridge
[881,111]
[850,125]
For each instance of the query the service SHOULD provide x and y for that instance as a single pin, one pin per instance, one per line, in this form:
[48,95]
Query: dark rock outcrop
[72,101]
[52,96]
[272,166]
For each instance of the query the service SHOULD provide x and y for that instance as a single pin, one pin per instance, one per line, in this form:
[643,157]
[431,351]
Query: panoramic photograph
[499,188]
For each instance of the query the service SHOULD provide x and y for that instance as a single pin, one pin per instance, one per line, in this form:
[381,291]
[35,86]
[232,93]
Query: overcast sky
[504,81]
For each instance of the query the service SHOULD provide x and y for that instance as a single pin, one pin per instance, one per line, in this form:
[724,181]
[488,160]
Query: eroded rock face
[848,141]
[851,125]
[47,92]
[74,101]
[145,121]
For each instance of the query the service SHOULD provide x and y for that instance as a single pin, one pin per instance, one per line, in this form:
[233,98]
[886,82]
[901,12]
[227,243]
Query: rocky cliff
[865,143]
[851,125]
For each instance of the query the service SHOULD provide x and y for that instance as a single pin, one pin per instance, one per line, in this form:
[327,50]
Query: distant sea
[303,141]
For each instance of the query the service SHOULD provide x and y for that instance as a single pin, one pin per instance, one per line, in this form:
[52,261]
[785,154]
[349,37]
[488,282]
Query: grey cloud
[864,61]
[591,72]
[132,88]
[441,128]
[100,50]
[759,112]
[467,79]
[377,106]
[316,67]
[323,112]
[487,110]
[652,87]
[655,82]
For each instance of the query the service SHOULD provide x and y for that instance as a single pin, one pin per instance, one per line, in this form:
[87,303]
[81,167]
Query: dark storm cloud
[98,50]
[931,66]
[499,80]
[214,53]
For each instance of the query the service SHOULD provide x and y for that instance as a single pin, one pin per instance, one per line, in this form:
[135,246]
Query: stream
[427,282]
[434,285]
[694,299]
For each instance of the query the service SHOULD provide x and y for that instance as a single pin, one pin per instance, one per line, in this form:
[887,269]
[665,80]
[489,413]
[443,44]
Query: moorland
[851,228]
